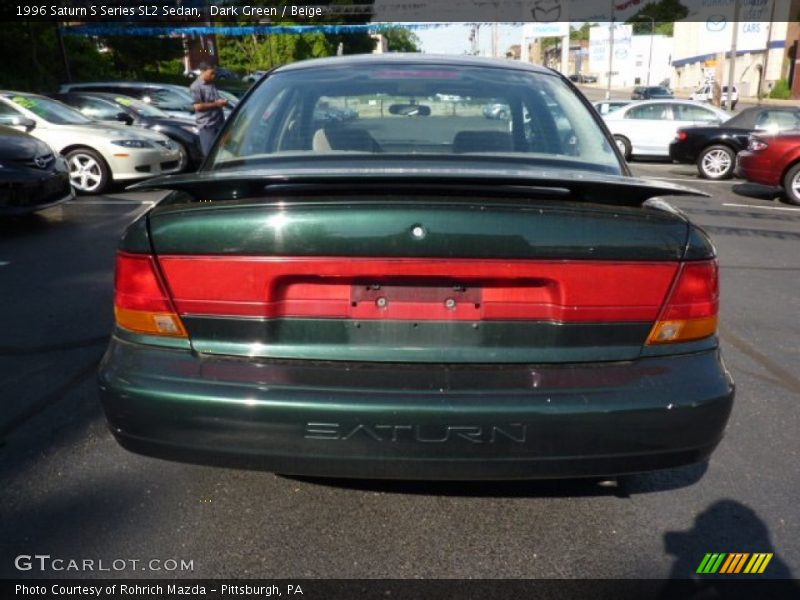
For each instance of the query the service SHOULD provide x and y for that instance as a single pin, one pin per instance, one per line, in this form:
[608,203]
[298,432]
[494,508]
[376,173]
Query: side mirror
[28,124]
[125,118]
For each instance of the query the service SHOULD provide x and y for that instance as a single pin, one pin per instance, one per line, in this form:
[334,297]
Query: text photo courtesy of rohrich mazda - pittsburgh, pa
[390,299]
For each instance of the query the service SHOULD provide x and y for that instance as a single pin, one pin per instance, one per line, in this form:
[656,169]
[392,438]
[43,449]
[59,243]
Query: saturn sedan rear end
[419,292]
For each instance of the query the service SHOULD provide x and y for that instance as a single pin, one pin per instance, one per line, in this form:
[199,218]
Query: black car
[714,149]
[102,106]
[172,99]
[32,177]
[651,92]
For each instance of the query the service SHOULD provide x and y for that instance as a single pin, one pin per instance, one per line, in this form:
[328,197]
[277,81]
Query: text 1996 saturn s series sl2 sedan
[417,292]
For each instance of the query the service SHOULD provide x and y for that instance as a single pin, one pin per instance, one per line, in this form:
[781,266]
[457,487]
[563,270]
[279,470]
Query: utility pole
[610,54]
[652,35]
[67,72]
[763,79]
[732,63]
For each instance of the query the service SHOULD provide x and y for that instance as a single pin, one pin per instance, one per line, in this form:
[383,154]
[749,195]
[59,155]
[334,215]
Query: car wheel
[185,160]
[716,162]
[502,115]
[791,184]
[624,146]
[88,172]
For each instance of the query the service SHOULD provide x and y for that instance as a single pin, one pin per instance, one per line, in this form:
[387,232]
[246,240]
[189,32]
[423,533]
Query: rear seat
[330,139]
[482,141]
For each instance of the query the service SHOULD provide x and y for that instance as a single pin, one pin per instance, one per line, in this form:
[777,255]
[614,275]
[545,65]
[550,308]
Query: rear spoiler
[555,184]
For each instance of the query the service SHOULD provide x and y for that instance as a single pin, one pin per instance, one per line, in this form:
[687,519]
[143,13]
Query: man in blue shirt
[207,106]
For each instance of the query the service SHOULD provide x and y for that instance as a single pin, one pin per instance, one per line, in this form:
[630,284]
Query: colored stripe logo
[734,563]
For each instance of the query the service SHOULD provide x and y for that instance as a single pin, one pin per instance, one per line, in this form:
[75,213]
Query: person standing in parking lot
[208,106]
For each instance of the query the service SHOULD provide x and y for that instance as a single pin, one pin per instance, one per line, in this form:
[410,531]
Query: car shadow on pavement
[726,527]
[754,190]
[621,487]
[30,224]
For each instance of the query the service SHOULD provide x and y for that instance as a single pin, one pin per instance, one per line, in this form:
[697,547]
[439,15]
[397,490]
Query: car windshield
[658,91]
[51,111]
[406,110]
[143,109]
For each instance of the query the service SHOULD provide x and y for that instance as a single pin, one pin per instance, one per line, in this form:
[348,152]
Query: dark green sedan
[417,292]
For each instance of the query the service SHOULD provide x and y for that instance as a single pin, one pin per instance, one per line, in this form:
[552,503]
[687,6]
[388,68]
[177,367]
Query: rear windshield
[413,111]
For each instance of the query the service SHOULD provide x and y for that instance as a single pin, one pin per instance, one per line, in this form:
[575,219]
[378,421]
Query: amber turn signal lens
[153,323]
[668,332]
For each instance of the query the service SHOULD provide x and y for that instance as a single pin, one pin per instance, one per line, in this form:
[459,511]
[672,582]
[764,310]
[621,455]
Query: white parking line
[684,179]
[121,201]
[761,207]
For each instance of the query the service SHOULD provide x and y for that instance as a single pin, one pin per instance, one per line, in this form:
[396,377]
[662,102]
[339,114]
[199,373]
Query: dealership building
[766,48]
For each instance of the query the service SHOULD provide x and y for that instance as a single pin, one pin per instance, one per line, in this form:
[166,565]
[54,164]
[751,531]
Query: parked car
[705,93]
[97,153]
[773,160]
[713,149]
[222,74]
[581,78]
[648,127]
[254,76]
[331,114]
[496,110]
[32,176]
[651,92]
[172,99]
[402,297]
[606,106]
[100,106]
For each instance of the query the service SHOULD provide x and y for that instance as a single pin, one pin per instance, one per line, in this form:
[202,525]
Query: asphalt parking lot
[70,491]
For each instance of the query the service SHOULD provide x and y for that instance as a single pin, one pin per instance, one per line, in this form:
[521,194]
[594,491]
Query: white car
[97,153]
[705,93]
[648,127]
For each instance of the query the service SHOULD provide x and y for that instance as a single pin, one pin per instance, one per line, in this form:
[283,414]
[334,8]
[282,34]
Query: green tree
[37,63]
[400,39]
[133,55]
[664,13]
[580,33]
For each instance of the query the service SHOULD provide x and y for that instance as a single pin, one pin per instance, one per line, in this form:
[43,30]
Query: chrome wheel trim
[621,145]
[716,162]
[85,173]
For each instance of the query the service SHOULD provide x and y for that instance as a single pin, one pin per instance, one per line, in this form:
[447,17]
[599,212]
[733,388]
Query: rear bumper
[757,168]
[682,152]
[414,421]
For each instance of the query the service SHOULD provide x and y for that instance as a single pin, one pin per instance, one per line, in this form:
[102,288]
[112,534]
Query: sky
[453,38]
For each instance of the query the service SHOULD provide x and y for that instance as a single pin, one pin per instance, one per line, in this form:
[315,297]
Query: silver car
[97,153]
[648,127]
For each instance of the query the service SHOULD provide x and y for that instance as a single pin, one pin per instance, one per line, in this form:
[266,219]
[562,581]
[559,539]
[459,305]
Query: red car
[773,160]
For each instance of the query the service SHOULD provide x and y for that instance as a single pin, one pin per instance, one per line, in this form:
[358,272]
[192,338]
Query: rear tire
[624,146]
[716,162]
[791,185]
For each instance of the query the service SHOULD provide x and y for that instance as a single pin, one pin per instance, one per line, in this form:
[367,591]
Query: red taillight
[692,307]
[140,302]
[418,289]
[682,136]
